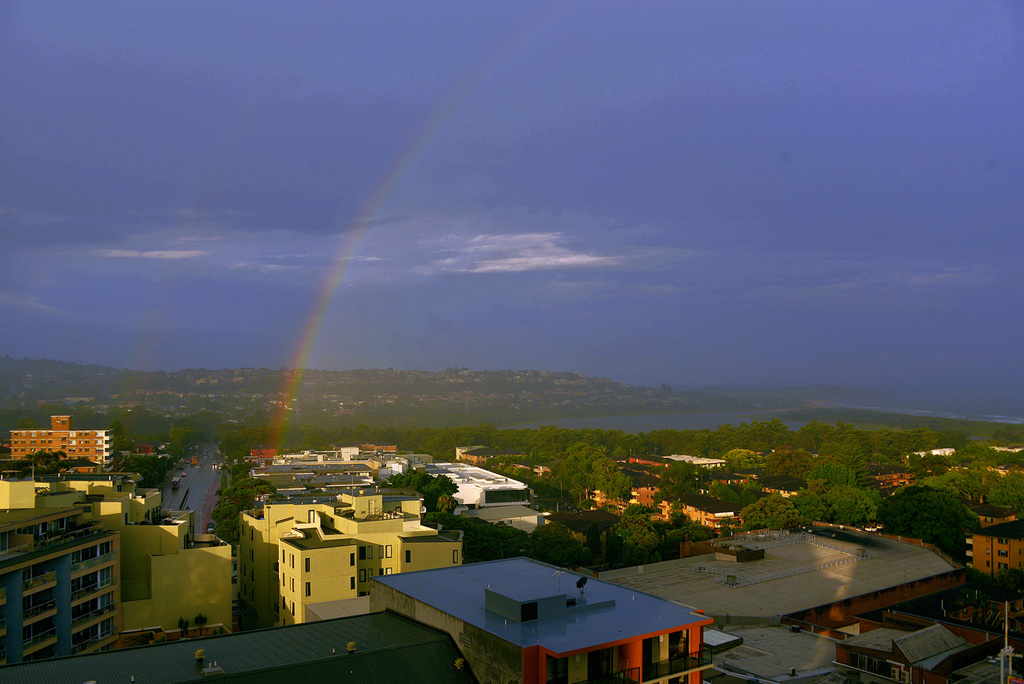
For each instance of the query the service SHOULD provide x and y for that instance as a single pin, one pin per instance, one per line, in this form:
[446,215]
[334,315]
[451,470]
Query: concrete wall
[843,612]
[491,659]
[183,585]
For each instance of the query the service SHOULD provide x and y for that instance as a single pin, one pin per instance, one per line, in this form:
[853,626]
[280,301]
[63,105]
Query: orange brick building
[997,547]
[91,444]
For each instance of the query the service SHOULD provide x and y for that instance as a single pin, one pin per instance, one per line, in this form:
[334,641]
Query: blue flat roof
[603,612]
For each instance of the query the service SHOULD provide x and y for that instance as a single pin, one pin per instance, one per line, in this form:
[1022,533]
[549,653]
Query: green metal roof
[389,648]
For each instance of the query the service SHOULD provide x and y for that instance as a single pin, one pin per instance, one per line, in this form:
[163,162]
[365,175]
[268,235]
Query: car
[211,527]
[183,473]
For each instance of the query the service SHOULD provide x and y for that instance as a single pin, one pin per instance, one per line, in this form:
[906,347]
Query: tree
[930,515]
[608,479]
[811,506]
[849,505]
[555,544]
[773,512]
[825,476]
[786,461]
[743,459]
[639,540]
[200,622]
[677,480]
[183,626]
[430,486]
[576,471]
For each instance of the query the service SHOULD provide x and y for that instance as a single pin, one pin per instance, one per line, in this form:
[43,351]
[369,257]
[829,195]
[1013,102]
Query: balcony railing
[92,588]
[38,609]
[102,610]
[94,641]
[41,637]
[678,665]
[93,562]
[52,539]
[38,580]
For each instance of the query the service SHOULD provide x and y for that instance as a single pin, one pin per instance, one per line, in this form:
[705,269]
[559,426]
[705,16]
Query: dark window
[352,582]
[308,591]
[408,556]
[362,553]
[528,611]
[307,566]
[352,559]
[455,556]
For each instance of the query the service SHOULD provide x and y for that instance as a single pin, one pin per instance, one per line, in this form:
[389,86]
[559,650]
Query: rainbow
[369,210]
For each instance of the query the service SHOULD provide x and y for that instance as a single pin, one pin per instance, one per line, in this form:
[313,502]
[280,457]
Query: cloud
[519,253]
[153,254]
[28,303]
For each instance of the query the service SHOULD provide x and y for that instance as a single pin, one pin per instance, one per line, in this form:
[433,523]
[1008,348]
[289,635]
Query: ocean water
[666,421]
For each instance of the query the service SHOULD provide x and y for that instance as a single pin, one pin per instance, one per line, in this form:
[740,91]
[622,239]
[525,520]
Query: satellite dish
[580,583]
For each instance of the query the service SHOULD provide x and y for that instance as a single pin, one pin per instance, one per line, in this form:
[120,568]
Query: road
[198,488]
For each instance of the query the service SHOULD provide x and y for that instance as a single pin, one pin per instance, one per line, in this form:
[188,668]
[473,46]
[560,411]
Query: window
[455,556]
[352,559]
[282,555]
[1003,553]
[408,556]
[292,559]
[352,582]
[252,555]
[387,571]
[293,584]
[308,589]
[307,565]
[365,553]
[387,551]
[362,575]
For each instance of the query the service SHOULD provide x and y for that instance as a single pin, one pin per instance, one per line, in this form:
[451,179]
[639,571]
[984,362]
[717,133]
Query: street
[198,488]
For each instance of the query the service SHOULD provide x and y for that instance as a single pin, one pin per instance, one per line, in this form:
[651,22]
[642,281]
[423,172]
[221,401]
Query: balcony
[95,641]
[93,614]
[92,588]
[3,596]
[39,581]
[30,614]
[52,539]
[673,667]
[678,665]
[39,640]
[93,562]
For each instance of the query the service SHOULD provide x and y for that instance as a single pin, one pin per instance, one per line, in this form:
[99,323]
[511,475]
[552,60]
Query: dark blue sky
[694,192]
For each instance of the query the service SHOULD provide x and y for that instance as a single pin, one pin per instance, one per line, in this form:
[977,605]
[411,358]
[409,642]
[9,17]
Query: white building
[479,488]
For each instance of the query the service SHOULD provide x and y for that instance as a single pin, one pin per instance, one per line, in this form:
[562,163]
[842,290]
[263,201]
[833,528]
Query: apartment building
[997,547]
[59,589]
[165,571]
[292,555]
[90,444]
[520,620]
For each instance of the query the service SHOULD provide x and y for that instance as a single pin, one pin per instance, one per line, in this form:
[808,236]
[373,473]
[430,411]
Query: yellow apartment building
[91,444]
[166,571]
[59,589]
[292,555]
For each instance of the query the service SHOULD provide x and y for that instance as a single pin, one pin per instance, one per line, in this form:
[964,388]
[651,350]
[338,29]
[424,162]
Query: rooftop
[798,572]
[601,612]
[388,648]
